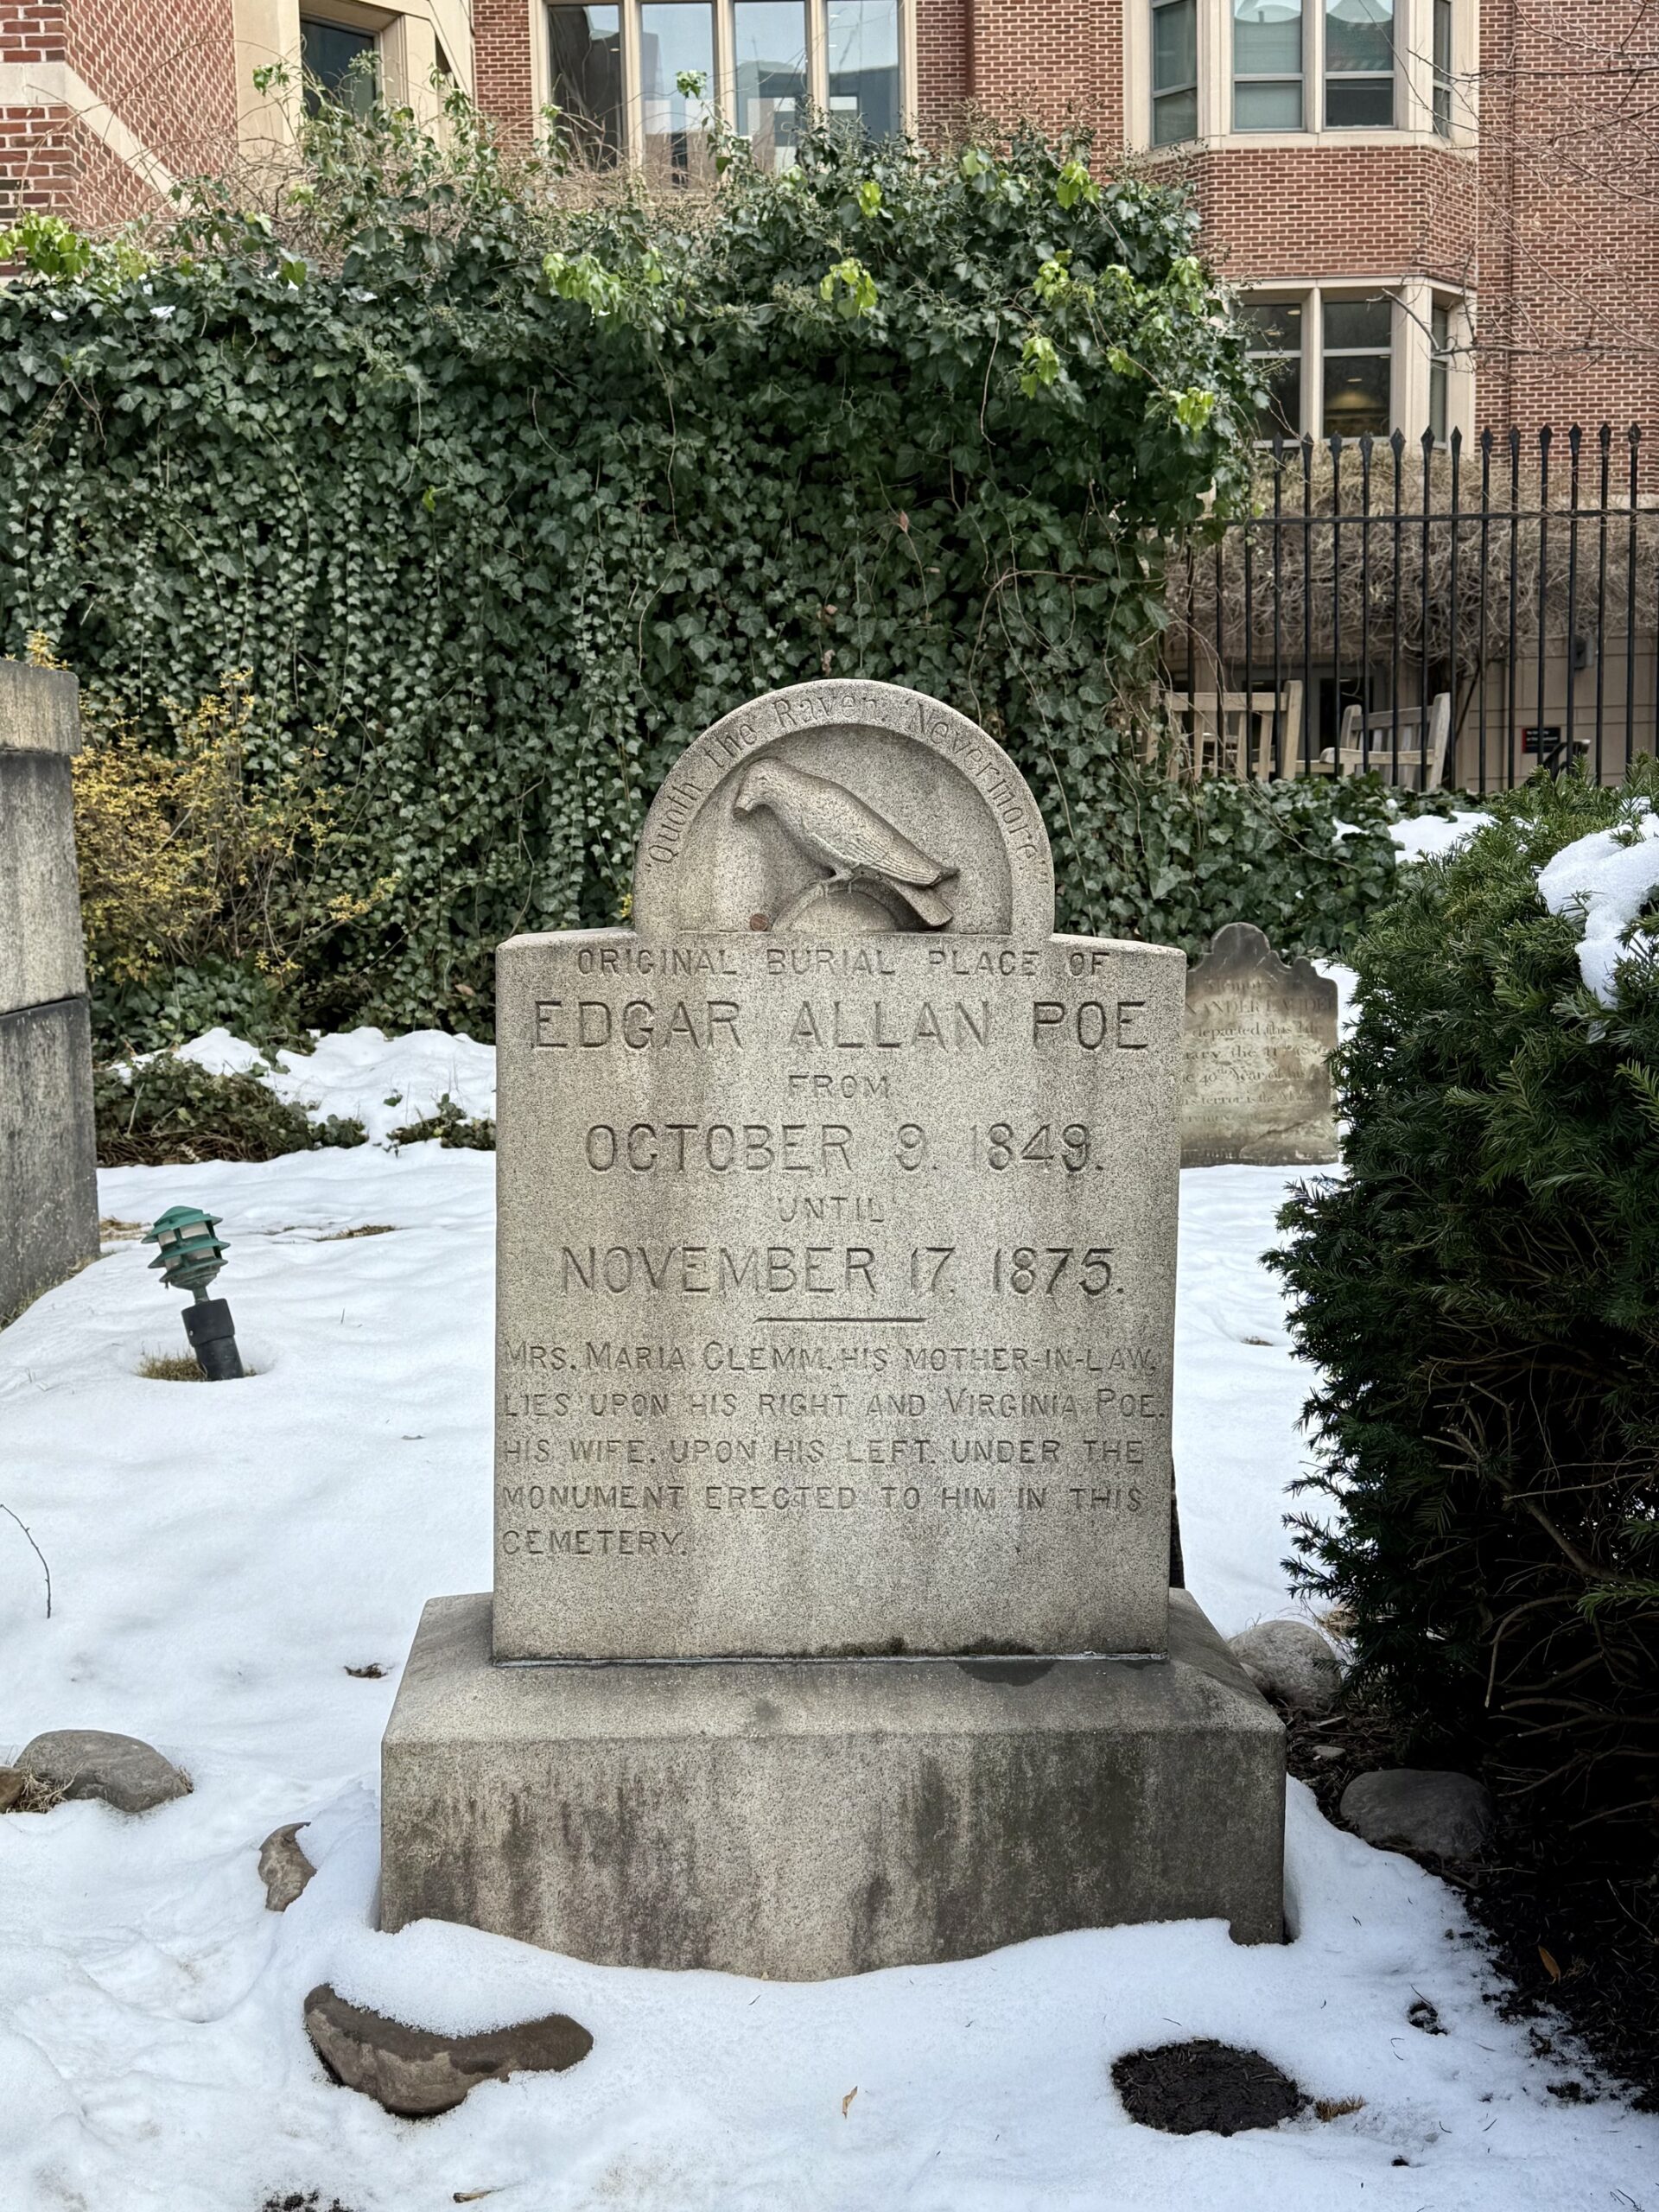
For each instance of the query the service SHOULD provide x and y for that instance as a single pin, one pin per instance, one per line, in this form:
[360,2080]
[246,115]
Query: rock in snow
[283,1867]
[1291,1662]
[90,1763]
[1418,1809]
[416,2072]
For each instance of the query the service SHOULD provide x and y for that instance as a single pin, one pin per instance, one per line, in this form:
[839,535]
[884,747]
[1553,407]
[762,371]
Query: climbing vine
[496,491]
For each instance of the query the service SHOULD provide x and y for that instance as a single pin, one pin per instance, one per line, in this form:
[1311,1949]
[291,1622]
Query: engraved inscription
[836,1295]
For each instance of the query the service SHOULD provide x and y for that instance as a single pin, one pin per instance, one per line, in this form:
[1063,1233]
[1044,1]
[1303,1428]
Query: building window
[1338,362]
[677,39]
[1174,71]
[618,74]
[1358,337]
[1440,369]
[1443,67]
[339,64]
[1275,346]
[769,37]
[863,43]
[584,48]
[1358,65]
[1266,65]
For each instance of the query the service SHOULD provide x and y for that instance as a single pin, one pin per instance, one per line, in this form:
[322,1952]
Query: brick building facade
[1441,212]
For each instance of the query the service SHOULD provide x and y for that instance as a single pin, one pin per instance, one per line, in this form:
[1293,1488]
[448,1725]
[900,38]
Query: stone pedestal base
[799,1819]
[48,1150]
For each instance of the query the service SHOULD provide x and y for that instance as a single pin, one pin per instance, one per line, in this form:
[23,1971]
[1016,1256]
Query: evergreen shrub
[495,492]
[165,1109]
[1481,1294]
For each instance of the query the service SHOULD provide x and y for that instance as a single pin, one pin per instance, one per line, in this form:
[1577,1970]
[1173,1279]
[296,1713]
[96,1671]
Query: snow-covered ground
[386,1082]
[221,1556]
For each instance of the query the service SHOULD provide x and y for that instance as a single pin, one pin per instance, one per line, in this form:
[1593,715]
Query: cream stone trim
[268,31]
[55,84]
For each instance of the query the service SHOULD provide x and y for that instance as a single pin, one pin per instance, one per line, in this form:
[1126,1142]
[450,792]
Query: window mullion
[724,87]
[1314,16]
[1215,52]
[818,55]
[1314,362]
[633,97]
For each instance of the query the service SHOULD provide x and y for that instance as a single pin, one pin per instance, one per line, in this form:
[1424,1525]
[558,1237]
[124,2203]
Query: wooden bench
[1238,733]
[1367,743]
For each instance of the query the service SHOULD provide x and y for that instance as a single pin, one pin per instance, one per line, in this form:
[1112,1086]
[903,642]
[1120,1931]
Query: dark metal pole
[1278,604]
[1543,573]
[1423,642]
[1485,580]
[1512,674]
[1246,728]
[1334,446]
[212,1338]
[1574,443]
[1604,439]
[1398,448]
[1308,701]
[1455,445]
[1630,607]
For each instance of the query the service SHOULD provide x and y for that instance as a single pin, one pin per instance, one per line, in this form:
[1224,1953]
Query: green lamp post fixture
[190,1255]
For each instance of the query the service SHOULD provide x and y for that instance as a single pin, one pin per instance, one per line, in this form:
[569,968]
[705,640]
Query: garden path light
[190,1255]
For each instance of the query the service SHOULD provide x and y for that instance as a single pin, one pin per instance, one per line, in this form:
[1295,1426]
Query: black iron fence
[1460,614]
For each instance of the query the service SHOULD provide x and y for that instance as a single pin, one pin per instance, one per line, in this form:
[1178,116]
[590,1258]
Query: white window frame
[1154,93]
[1414,98]
[1410,347]
[1402,15]
[1308,9]
[725,85]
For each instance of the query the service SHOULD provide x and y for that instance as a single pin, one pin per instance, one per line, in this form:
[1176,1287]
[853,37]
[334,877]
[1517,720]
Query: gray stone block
[48,1150]
[1291,1661]
[120,1770]
[40,709]
[805,1819]
[1421,1808]
[41,958]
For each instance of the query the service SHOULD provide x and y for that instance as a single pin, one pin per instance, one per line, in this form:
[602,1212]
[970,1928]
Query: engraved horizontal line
[796,1319]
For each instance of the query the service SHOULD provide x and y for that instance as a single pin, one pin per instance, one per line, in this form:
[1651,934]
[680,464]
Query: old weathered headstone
[48,1149]
[837,1210]
[1256,1082]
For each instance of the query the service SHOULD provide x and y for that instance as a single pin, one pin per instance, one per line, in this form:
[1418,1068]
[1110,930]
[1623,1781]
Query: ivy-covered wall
[498,502]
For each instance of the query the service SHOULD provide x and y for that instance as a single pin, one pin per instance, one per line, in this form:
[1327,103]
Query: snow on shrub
[1604,882]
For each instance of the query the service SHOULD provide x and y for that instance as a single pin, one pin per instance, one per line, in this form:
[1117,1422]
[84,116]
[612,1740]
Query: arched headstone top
[1239,950]
[843,808]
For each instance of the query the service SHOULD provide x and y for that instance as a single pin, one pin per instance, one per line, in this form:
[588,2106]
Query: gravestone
[49,1149]
[836,1202]
[1260,1033]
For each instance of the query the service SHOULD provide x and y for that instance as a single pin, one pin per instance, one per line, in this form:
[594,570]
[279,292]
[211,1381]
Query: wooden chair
[1232,733]
[1367,741]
